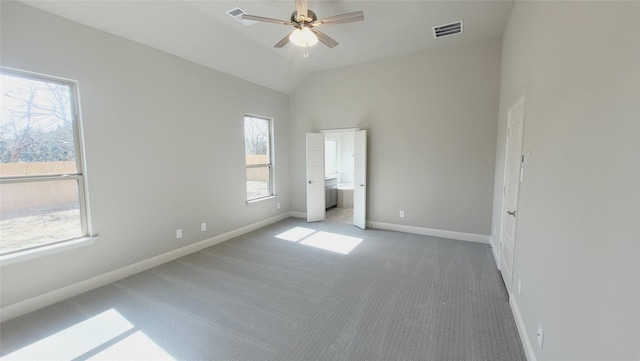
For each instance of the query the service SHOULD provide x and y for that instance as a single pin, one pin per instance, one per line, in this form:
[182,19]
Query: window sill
[254,202]
[34,253]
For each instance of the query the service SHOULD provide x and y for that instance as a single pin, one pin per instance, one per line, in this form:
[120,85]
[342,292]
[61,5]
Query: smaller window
[330,156]
[258,147]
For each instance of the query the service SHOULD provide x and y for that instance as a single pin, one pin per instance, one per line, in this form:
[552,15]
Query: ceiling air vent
[447,29]
[237,14]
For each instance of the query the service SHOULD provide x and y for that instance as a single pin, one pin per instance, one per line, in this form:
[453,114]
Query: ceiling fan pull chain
[305,53]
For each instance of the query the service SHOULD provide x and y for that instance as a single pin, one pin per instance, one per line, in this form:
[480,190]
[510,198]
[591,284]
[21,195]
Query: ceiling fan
[305,21]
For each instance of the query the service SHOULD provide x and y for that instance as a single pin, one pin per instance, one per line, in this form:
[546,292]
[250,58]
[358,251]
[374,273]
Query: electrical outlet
[203,226]
[179,233]
[519,286]
[540,335]
[401,214]
[278,205]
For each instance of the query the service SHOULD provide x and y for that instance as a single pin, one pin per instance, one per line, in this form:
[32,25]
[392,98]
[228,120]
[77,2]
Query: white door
[315,177]
[512,179]
[360,179]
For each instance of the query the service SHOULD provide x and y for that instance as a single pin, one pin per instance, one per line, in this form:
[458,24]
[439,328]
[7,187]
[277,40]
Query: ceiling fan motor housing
[311,17]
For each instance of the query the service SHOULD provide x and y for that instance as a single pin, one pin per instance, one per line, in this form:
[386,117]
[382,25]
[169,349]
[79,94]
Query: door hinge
[504,190]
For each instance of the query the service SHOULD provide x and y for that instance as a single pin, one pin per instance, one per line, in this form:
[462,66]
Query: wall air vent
[237,14]
[447,29]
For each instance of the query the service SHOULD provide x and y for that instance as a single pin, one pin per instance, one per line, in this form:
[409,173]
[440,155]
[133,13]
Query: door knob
[310,182]
[511,213]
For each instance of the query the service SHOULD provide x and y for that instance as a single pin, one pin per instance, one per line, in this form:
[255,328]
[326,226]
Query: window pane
[36,213]
[258,182]
[256,140]
[258,157]
[36,126]
[330,156]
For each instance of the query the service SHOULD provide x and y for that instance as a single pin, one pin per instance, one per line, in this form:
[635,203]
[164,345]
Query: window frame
[79,176]
[270,164]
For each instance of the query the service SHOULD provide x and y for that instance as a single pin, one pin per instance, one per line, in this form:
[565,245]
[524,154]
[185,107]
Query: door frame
[503,210]
[338,130]
[360,179]
[314,177]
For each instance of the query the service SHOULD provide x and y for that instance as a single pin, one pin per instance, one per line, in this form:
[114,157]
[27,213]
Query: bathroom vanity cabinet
[331,192]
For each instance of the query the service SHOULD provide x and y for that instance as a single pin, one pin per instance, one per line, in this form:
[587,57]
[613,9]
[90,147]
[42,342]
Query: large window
[41,175]
[258,148]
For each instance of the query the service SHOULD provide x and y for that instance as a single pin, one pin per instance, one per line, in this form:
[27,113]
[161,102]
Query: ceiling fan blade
[340,19]
[283,42]
[325,39]
[266,20]
[302,8]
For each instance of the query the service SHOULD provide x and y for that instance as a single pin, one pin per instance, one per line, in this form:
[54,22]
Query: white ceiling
[202,32]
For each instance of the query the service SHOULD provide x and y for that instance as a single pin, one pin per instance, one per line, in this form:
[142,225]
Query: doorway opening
[339,168]
[336,176]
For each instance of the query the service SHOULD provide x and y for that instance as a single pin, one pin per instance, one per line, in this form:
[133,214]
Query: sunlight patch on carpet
[332,242]
[328,241]
[88,336]
[137,346]
[295,234]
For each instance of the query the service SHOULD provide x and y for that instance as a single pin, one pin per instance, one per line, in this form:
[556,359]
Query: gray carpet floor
[268,295]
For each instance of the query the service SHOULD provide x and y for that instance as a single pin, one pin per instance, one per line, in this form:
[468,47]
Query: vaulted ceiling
[202,31]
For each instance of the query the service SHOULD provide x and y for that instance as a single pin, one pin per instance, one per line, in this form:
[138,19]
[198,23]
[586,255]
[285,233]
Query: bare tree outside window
[36,124]
[256,136]
[40,178]
[257,140]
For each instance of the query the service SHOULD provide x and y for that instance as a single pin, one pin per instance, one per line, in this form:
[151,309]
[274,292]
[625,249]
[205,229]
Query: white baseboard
[496,252]
[298,214]
[522,331]
[49,298]
[471,237]
[480,238]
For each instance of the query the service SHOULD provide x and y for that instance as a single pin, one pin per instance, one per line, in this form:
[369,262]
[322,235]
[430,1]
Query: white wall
[578,236]
[431,119]
[164,150]
[164,146]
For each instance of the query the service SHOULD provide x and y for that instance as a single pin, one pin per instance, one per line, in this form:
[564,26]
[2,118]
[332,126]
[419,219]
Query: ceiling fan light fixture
[305,34]
[304,37]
